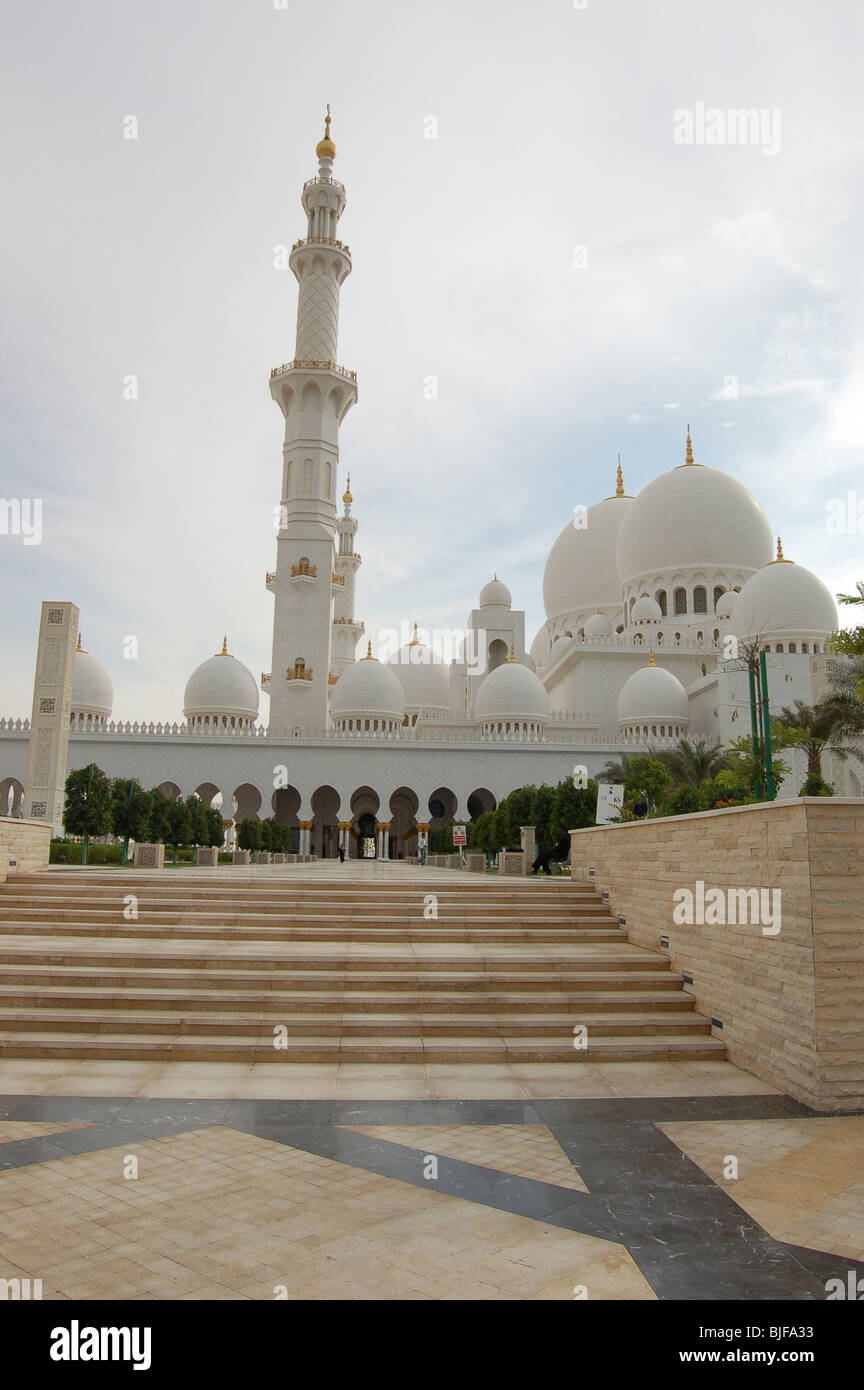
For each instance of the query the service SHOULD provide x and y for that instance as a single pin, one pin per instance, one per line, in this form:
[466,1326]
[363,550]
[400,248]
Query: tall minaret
[314,395]
[347,630]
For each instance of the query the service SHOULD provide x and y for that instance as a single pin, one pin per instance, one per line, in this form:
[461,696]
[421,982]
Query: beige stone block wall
[28,842]
[792,1005]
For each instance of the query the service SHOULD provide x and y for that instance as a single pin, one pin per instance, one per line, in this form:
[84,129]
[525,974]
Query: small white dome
[785,598]
[221,685]
[598,625]
[692,517]
[495,594]
[92,691]
[512,691]
[581,572]
[725,606]
[423,675]
[369,687]
[646,610]
[653,693]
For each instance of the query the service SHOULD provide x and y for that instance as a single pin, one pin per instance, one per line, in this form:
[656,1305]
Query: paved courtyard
[523,1181]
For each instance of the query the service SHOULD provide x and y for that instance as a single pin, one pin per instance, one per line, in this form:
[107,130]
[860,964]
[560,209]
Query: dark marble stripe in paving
[687,1235]
[559,1206]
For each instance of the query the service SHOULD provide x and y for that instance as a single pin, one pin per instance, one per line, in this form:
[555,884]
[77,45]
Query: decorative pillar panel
[44,794]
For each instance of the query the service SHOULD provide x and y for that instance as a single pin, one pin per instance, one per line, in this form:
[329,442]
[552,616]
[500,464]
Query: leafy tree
[575,807]
[87,811]
[648,778]
[179,825]
[542,816]
[248,833]
[515,811]
[280,834]
[690,764]
[199,822]
[265,836]
[160,818]
[131,808]
[215,829]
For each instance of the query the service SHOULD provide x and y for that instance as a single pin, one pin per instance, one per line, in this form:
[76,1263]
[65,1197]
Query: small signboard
[610,799]
[459,837]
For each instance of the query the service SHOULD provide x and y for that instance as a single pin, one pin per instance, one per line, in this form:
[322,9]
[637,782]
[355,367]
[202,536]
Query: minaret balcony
[270,581]
[300,673]
[337,579]
[324,178]
[315,366]
[265,679]
[322,241]
[304,573]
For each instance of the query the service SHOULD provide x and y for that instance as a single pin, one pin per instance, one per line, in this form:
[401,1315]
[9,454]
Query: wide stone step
[415,980]
[297,1025]
[251,1049]
[288,1002]
[287,960]
[417,929]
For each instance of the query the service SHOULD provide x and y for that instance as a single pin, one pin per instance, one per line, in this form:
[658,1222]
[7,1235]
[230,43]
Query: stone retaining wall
[791,1003]
[26,842]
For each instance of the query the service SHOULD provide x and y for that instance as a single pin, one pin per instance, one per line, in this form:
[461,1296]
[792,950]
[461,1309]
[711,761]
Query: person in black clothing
[560,850]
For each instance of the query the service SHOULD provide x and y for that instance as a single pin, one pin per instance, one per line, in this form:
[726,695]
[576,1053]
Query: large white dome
[423,676]
[221,686]
[92,691]
[653,693]
[367,688]
[512,691]
[784,598]
[581,574]
[692,518]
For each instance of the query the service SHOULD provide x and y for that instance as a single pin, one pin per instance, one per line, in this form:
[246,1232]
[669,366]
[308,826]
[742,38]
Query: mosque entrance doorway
[366,827]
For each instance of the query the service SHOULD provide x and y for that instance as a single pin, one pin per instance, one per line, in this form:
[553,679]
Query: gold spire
[325,149]
[346,495]
[79,648]
[689,458]
[619,490]
[224,646]
[781,558]
[369,656]
[512,652]
[415,640]
[651,661]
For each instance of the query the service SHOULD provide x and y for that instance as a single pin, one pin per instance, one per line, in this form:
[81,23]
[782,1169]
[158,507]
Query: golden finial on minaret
[325,149]
[689,458]
[346,495]
[79,648]
[619,490]
[651,657]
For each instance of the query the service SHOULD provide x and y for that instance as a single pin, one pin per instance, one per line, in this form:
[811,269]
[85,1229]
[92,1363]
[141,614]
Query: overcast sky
[720,284]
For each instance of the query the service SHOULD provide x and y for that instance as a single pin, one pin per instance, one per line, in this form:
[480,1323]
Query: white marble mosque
[640,594]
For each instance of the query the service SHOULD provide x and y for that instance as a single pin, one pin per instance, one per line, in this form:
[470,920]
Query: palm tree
[691,764]
[825,726]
